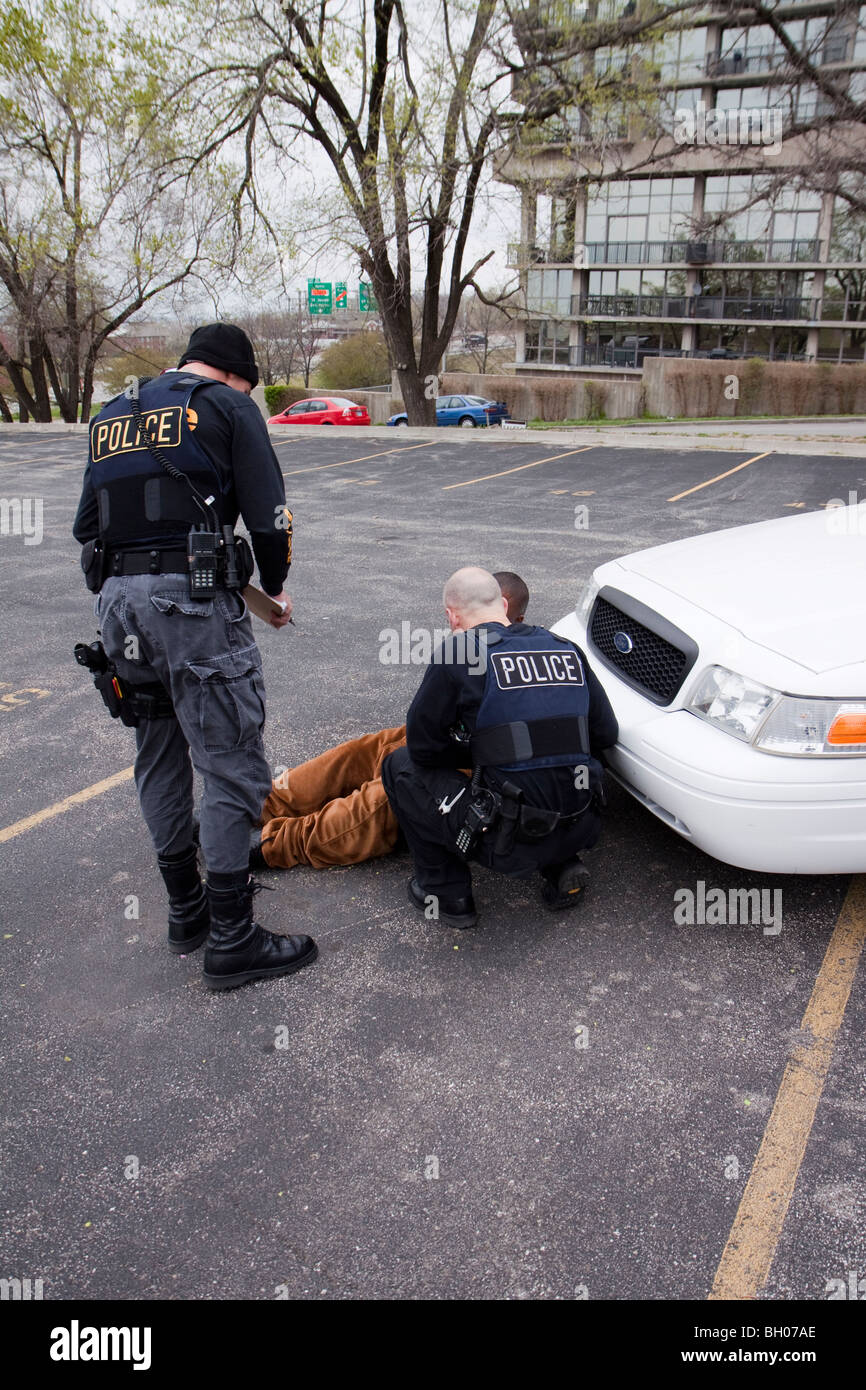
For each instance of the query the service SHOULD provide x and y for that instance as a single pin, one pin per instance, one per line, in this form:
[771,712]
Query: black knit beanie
[225,346]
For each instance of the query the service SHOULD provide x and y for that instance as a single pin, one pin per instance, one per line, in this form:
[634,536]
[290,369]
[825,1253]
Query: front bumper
[754,810]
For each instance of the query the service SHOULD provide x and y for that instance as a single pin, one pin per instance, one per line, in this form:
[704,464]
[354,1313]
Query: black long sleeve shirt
[232,431]
[450,695]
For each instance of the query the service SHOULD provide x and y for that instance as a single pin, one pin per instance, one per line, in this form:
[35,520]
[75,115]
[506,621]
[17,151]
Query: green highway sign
[319,296]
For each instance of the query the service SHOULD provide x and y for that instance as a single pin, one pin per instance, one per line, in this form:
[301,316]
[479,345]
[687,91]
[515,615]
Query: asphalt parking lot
[549,1107]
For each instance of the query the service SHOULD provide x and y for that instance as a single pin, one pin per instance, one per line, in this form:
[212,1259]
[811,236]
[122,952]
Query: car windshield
[477,400]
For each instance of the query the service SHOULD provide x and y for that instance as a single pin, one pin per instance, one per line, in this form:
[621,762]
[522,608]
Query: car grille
[654,665]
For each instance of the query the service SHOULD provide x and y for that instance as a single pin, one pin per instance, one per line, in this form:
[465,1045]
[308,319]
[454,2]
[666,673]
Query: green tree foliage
[103,202]
[361,360]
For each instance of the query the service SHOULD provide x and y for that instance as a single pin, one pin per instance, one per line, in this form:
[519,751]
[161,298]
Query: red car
[323,410]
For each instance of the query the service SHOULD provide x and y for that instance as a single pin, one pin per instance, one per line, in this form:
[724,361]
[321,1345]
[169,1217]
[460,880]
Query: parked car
[496,411]
[736,666]
[468,411]
[323,410]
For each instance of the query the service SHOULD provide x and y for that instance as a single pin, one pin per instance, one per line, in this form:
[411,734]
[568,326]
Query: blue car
[468,411]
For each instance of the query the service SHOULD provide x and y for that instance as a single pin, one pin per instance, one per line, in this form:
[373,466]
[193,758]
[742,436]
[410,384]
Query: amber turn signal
[847,728]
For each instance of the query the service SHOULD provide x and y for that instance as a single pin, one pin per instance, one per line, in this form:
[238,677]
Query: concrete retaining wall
[552,398]
[696,387]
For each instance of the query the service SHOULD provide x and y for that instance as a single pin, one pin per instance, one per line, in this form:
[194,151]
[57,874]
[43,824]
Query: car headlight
[584,604]
[732,702]
[792,725]
[799,726]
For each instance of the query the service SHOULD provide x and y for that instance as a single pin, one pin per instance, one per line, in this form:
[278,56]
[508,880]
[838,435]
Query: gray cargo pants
[204,653]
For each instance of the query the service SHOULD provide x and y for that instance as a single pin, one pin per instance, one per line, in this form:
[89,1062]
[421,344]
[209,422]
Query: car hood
[796,585]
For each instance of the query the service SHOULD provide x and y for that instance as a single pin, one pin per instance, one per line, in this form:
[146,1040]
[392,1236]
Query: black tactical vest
[140,505]
[535,706]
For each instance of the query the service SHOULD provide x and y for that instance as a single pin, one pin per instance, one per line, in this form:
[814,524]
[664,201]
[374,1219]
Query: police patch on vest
[120,435]
[524,670]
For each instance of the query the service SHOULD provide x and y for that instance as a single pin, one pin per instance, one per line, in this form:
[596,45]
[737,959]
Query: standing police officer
[183,453]
[523,707]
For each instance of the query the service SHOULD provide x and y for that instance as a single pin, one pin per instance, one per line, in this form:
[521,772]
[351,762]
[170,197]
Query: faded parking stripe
[520,467]
[19,827]
[719,476]
[746,1260]
[320,467]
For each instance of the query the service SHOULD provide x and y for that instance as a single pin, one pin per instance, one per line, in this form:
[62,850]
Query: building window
[680,54]
[548,291]
[792,215]
[546,342]
[640,210]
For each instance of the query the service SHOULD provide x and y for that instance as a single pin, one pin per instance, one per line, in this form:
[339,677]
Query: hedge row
[278,398]
[758,387]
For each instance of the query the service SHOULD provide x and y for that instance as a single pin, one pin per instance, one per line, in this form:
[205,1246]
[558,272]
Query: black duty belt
[147,562]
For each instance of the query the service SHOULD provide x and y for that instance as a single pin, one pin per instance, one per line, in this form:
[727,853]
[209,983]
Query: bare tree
[274,336]
[308,332]
[405,116]
[102,204]
[481,320]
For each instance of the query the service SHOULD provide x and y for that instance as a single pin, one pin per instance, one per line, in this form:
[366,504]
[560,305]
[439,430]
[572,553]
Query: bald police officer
[188,450]
[523,708]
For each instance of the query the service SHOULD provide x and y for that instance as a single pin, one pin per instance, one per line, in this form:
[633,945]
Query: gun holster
[124,701]
[509,818]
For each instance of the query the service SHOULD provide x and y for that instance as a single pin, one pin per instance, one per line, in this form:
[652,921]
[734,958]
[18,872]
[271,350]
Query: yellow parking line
[688,492]
[317,468]
[520,467]
[39,817]
[745,1264]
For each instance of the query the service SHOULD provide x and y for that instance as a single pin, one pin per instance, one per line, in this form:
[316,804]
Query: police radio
[203,555]
[483,813]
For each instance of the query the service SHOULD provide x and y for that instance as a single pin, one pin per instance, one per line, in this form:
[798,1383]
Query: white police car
[736,666]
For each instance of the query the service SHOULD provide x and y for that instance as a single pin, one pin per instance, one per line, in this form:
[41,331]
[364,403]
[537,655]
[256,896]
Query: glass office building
[684,231]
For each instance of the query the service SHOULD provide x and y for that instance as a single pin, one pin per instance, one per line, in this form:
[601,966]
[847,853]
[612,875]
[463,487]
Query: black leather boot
[188,911]
[450,912]
[564,885]
[239,950]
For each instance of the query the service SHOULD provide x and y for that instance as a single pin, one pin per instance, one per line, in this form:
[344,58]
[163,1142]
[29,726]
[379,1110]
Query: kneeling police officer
[173,462]
[522,707]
